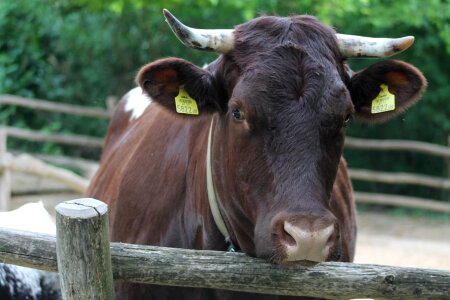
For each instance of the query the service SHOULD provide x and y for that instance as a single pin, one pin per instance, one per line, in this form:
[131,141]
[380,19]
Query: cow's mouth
[280,259]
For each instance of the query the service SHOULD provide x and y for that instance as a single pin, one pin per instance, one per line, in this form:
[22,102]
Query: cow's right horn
[218,40]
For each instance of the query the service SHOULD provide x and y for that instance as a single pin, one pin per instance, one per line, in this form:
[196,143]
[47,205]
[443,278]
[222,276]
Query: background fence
[77,183]
[17,162]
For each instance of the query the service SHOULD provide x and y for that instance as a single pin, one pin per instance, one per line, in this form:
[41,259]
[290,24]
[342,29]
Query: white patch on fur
[137,102]
[29,217]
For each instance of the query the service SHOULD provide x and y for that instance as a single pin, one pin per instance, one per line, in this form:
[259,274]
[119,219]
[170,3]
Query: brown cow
[270,131]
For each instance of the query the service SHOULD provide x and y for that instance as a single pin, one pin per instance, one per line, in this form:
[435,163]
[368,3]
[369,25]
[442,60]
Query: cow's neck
[212,195]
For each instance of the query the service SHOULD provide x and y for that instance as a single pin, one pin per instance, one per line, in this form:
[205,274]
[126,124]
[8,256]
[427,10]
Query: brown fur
[281,160]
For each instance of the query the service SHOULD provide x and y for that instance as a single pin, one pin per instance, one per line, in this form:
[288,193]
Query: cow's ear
[385,89]
[176,84]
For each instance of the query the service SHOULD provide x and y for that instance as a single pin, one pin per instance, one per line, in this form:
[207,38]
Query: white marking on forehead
[137,102]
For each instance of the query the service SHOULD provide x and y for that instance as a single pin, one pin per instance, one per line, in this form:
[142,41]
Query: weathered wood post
[448,166]
[82,247]
[111,103]
[5,174]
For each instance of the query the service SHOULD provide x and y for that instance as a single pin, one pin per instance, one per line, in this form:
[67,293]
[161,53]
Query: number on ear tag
[185,104]
[385,101]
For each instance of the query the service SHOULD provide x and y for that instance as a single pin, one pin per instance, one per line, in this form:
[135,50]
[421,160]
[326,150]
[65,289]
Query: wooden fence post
[5,174]
[82,247]
[111,103]
[448,167]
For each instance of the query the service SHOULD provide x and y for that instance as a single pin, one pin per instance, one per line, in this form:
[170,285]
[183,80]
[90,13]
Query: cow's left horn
[360,46]
[218,40]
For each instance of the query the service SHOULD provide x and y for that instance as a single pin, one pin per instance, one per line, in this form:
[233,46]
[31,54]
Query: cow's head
[282,94]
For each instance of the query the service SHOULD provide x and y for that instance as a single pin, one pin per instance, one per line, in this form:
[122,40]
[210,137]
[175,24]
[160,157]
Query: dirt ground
[403,241]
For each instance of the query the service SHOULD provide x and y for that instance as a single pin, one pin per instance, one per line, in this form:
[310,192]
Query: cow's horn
[218,40]
[360,46]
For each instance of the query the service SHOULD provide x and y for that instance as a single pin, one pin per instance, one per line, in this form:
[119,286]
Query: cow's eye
[237,114]
[347,119]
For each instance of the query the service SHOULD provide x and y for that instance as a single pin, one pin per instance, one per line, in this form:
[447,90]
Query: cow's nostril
[287,238]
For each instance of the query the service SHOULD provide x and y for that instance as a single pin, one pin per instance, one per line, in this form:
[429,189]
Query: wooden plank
[82,232]
[75,162]
[28,249]
[398,145]
[28,164]
[86,166]
[29,184]
[111,104]
[405,201]
[36,136]
[399,178]
[55,107]
[448,166]
[238,272]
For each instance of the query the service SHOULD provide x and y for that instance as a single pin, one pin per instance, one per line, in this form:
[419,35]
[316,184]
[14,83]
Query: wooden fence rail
[235,271]
[398,145]
[55,107]
[88,167]
[400,178]
[402,201]
[37,136]
[27,164]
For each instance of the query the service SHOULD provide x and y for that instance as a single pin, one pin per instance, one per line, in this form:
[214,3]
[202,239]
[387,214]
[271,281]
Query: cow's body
[175,213]
[279,104]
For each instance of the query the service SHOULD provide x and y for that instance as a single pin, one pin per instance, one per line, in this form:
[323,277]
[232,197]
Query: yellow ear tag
[185,104]
[385,101]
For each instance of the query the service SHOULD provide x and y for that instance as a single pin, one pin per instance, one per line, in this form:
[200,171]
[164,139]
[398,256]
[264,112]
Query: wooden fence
[355,143]
[35,165]
[401,178]
[82,232]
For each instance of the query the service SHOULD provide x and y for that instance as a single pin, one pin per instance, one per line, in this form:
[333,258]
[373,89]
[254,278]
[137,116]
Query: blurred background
[83,51]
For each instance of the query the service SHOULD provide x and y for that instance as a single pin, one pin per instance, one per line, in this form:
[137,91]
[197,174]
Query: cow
[246,154]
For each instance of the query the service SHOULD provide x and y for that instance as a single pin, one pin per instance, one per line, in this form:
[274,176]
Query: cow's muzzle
[306,237]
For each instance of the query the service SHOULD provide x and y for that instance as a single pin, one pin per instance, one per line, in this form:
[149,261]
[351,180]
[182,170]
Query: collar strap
[212,197]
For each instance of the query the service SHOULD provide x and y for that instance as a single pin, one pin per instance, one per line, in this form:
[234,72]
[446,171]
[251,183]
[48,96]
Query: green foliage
[81,51]
[25,69]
